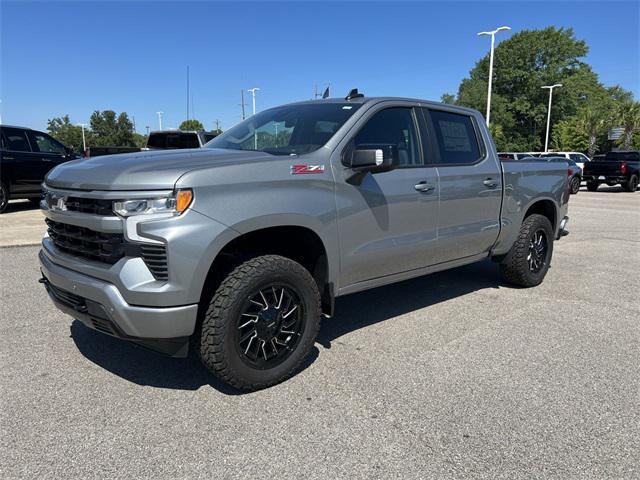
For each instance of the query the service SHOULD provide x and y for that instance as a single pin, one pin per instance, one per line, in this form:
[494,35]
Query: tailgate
[602,167]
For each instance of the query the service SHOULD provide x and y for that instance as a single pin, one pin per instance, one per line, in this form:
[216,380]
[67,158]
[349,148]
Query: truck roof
[364,100]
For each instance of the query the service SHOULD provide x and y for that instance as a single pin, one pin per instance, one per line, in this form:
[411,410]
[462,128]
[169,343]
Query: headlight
[174,204]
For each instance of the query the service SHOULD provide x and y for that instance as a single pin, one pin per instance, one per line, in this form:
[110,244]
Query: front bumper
[100,306]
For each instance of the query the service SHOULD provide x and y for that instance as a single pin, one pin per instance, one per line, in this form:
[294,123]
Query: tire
[592,186]
[575,185]
[237,307]
[518,265]
[631,185]
[4,197]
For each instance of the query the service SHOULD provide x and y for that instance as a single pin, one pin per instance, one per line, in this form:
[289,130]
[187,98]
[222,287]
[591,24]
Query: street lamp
[546,138]
[493,41]
[253,97]
[160,118]
[84,142]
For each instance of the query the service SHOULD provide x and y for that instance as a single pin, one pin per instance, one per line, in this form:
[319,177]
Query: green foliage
[69,134]
[192,125]
[627,116]
[139,140]
[111,130]
[522,65]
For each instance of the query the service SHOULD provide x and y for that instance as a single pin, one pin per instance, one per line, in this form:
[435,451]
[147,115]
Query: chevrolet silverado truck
[238,249]
[614,168]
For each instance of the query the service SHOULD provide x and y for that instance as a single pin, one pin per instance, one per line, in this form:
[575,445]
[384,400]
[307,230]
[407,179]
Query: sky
[75,57]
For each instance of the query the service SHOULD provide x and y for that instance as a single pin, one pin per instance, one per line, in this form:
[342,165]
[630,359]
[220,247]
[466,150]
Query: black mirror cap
[374,158]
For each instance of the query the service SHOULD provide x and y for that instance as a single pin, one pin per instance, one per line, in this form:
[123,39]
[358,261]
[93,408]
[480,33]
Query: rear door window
[16,140]
[456,137]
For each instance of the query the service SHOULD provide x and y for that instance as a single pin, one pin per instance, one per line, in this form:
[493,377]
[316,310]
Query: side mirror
[374,158]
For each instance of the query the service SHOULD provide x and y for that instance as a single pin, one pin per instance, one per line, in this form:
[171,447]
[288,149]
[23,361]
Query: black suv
[26,156]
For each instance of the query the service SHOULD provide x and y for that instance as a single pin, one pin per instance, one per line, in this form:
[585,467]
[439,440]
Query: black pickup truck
[613,168]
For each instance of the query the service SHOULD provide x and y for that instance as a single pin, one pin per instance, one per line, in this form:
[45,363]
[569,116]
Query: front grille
[87,243]
[155,257]
[107,247]
[93,206]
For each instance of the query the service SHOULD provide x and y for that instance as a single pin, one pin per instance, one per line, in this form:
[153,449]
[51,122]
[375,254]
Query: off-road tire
[4,197]
[592,186]
[515,266]
[217,347]
[631,185]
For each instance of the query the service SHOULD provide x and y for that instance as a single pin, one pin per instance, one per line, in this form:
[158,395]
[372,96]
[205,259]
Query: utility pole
[187,92]
[546,138]
[493,41]
[242,104]
[217,125]
[160,119]
[147,127]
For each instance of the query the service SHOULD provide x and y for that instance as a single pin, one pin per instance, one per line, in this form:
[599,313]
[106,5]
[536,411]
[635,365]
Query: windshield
[287,130]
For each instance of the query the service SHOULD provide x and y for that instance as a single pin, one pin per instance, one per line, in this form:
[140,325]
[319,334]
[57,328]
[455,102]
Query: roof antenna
[353,94]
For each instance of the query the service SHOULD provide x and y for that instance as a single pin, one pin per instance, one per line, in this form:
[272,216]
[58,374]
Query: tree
[591,124]
[69,134]
[192,124]
[111,130]
[627,116]
[522,65]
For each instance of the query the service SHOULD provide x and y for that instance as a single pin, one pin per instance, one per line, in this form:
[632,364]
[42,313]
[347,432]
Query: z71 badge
[302,169]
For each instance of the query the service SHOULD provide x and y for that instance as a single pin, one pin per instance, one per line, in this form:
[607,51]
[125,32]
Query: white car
[579,158]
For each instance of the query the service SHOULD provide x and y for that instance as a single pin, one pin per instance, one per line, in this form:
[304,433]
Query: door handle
[424,187]
[8,158]
[490,183]
[46,159]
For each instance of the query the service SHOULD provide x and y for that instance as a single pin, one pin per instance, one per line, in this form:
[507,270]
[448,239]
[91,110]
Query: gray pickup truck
[238,249]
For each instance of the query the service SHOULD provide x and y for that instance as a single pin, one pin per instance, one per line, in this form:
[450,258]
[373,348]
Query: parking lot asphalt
[446,376]
[21,224]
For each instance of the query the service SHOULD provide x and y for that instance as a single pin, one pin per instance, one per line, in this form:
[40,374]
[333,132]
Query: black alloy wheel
[538,248]
[270,326]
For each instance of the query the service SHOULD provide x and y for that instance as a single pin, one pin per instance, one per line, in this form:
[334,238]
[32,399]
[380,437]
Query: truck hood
[149,170]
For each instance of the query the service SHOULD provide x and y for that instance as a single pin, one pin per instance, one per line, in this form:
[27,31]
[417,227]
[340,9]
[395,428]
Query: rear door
[20,163]
[470,185]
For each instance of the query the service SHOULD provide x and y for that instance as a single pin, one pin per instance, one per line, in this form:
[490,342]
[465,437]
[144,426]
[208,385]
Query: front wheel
[631,185]
[592,186]
[261,323]
[528,261]
[575,185]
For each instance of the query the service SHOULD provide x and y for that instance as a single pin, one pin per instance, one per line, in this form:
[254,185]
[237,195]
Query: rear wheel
[261,323]
[592,186]
[631,185]
[4,197]
[528,261]
[575,185]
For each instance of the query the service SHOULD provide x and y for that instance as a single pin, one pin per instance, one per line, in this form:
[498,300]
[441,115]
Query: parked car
[100,151]
[574,172]
[614,168]
[514,155]
[172,139]
[580,158]
[237,249]
[26,156]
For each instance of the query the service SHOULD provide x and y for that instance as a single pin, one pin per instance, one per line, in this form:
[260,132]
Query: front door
[387,221]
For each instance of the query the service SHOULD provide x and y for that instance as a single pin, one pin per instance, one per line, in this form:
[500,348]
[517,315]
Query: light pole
[546,138]
[160,119]
[493,41]
[253,95]
[253,98]
[84,142]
